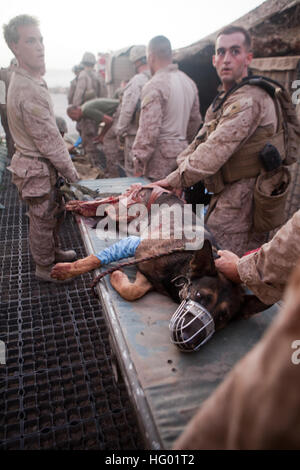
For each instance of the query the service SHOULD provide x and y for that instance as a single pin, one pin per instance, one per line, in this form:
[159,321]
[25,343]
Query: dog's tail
[134,262]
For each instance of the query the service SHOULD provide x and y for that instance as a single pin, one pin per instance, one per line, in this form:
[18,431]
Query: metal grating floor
[57,389]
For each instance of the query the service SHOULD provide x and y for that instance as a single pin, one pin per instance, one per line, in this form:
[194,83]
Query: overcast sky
[72,27]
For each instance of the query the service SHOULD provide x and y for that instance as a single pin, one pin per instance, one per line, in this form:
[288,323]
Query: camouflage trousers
[128,156]
[114,155]
[10,145]
[89,130]
[45,216]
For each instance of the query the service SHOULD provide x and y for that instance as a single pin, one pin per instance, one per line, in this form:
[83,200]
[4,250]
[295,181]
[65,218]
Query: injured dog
[185,275]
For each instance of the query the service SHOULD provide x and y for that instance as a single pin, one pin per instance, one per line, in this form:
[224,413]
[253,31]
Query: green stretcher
[165,385]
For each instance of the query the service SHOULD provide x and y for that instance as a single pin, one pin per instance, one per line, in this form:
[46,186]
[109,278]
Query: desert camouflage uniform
[113,154]
[88,86]
[71,90]
[267,271]
[40,154]
[246,110]
[127,125]
[169,118]
[5,76]
[257,405]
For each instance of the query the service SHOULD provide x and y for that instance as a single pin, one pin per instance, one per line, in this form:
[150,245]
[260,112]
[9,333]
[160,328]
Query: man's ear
[14,48]
[251,305]
[202,262]
[249,58]
[214,60]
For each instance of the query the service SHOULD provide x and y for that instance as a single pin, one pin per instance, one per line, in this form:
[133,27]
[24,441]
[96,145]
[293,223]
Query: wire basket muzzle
[191,326]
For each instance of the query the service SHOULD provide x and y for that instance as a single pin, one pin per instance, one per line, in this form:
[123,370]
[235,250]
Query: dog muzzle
[191,326]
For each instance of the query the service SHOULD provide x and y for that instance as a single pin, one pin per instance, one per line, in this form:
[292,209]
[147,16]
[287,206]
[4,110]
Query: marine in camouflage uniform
[267,271]
[5,76]
[40,154]
[169,116]
[257,405]
[113,154]
[76,69]
[40,149]
[248,111]
[245,121]
[128,121]
[88,87]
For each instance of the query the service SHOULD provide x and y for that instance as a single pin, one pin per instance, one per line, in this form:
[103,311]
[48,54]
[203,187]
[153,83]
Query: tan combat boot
[64,256]
[42,273]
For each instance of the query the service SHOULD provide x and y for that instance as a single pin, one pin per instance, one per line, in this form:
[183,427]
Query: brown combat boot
[42,273]
[62,256]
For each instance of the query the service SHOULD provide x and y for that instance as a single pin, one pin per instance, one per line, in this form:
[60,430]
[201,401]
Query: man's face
[75,113]
[29,50]
[231,59]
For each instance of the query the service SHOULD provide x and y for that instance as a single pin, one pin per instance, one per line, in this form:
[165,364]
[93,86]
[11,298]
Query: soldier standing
[76,70]
[5,76]
[225,153]
[170,116]
[128,122]
[40,150]
[88,87]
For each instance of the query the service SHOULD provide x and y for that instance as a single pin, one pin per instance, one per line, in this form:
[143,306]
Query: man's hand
[164,184]
[98,139]
[227,265]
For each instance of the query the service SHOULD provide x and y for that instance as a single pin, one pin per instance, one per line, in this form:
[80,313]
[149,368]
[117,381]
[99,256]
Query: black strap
[255,80]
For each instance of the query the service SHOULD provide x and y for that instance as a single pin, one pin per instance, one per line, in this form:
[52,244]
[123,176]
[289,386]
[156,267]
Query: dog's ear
[251,305]
[202,262]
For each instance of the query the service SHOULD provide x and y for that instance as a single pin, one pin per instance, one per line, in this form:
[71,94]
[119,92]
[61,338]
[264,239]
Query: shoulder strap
[268,84]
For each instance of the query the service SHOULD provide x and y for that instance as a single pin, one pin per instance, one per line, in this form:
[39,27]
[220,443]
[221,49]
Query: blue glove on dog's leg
[125,248]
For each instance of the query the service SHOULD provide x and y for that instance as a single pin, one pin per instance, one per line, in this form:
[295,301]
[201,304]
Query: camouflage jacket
[169,114]
[130,104]
[267,271]
[88,87]
[34,130]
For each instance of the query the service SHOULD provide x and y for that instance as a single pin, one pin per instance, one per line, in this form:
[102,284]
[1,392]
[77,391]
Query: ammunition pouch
[270,195]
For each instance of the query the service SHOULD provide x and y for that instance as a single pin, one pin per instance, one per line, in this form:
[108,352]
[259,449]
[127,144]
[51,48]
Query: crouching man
[40,150]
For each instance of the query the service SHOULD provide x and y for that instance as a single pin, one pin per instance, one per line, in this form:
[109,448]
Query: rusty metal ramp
[57,385]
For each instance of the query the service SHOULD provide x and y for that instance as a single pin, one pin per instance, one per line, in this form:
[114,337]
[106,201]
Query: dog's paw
[117,277]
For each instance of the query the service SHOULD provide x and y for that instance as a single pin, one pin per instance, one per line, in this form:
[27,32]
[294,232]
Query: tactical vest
[245,162]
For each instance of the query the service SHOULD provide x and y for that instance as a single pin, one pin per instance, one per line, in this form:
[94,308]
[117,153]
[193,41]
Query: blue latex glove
[78,142]
[125,248]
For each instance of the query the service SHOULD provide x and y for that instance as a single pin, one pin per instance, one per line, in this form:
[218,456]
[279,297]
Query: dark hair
[161,47]
[10,30]
[237,29]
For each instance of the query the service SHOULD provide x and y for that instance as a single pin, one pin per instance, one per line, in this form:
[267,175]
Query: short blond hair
[10,30]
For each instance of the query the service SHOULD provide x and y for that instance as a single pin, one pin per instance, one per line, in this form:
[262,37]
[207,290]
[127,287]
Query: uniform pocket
[36,183]
[32,182]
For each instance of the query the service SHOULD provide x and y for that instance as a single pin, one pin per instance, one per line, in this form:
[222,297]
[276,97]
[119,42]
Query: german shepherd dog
[182,274]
